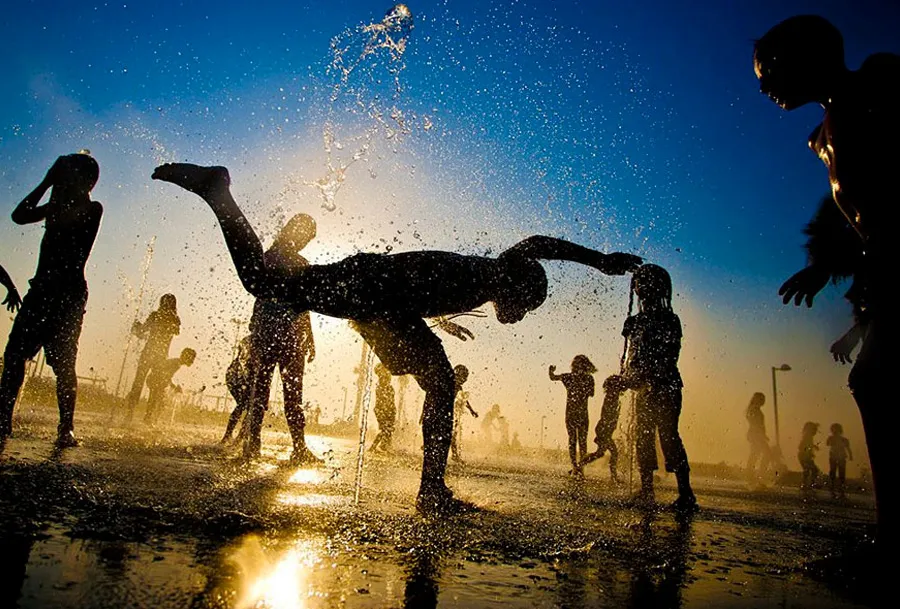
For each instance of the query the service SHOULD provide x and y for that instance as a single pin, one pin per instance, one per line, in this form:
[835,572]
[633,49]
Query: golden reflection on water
[308,476]
[279,582]
[309,499]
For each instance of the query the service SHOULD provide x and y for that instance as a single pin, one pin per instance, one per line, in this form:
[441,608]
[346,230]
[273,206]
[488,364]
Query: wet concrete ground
[164,518]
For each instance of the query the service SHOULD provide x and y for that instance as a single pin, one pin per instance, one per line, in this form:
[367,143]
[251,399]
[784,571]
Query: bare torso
[417,284]
[68,239]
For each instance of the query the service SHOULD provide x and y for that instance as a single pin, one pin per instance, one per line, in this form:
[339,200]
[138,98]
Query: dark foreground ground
[163,518]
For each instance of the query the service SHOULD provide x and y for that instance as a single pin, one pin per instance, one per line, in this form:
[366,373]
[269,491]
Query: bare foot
[199,180]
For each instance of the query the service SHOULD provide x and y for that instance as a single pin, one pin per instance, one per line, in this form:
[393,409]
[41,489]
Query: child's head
[810,428]
[837,429]
[613,384]
[167,302]
[582,365]
[522,288]
[75,174]
[188,356]
[653,287]
[757,400]
[796,60]
[297,233]
[461,373]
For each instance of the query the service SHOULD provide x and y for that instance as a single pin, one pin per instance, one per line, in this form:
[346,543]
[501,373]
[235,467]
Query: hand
[843,347]
[804,284]
[311,355]
[454,329]
[619,263]
[552,369]
[53,173]
[474,414]
[12,301]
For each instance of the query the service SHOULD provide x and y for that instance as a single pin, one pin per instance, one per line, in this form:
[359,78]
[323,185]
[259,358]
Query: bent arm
[28,211]
[550,248]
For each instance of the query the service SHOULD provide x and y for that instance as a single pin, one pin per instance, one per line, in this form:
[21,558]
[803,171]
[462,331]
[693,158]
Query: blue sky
[635,125]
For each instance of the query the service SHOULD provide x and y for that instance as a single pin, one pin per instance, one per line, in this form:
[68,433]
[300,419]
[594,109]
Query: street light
[782,368]
[542,431]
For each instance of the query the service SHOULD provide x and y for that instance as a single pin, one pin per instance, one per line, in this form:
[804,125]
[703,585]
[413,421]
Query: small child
[579,384]
[653,338]
[239,380]
[613,388]
[807,455]
[460,404]
[385,409]
[838,454]
[160,379]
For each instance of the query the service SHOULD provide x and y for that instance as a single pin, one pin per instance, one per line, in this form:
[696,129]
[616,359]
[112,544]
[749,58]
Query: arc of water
[148,258]
[367,395]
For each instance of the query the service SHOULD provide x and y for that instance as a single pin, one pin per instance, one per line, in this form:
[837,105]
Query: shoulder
[880,65]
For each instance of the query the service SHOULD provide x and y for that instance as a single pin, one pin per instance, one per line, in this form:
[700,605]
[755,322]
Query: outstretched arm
[212,184]
[471,410]
[12,300]
[540,247]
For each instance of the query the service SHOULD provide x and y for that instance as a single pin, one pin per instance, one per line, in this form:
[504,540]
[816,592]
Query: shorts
[50,317]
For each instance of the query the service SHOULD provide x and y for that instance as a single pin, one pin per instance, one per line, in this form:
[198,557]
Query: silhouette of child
[579,384]
[385,409]
[801,61]
[12,300]
[239,380]
[806,455]
[389,296]
[281,335]
[613,387]
[460,405]
[53,309]
[161,326]
[756,436]
[160,379]
[651,368]
[838,454]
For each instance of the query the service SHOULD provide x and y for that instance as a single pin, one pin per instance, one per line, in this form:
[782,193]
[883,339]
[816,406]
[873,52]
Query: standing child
[651,368]
[53,308]
[161,326]
[579,386]
[160,379]
[838,453]
[239,380]
[756,436]
[606,426]
[806,454]
[385,409]
[460,403]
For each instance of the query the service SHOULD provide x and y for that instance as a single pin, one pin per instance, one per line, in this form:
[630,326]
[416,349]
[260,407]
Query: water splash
[359,59]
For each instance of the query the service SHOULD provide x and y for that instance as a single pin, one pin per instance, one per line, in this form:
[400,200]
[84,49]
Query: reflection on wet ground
[168,519]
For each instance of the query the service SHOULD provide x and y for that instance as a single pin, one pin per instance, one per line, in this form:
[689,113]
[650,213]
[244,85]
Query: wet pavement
[166,518]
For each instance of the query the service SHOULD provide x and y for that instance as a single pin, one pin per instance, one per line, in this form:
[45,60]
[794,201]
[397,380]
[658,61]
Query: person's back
[654,339]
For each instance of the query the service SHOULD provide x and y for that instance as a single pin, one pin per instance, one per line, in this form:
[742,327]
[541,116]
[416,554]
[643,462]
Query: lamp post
[782,368]
[542,432]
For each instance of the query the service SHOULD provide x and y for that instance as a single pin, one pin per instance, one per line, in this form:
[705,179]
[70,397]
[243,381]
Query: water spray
[367,395]
[148,258]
